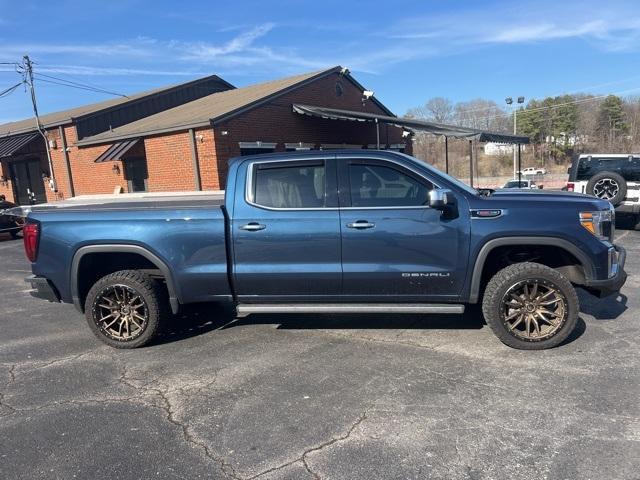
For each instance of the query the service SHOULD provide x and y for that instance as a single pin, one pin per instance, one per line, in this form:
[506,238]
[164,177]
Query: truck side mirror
[439,198]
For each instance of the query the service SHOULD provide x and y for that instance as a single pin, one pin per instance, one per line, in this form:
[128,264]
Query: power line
[78,87]
[10,90]
[83,86]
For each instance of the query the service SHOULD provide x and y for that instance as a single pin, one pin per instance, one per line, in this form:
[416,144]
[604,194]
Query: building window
[254,148]
[293,147]
[338,146]
[135,171]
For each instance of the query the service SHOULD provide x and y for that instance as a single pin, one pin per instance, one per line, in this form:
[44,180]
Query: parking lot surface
[308,397]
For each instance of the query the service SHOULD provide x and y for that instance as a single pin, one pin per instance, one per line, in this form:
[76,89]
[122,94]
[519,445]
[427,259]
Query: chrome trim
[253,227]
[502,212]
[361,224]
[248,191]
[246,309]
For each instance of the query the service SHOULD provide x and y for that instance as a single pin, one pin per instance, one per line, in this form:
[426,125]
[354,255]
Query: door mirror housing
[439,198]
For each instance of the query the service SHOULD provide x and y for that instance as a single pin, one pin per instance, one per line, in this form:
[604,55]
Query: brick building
[181,137]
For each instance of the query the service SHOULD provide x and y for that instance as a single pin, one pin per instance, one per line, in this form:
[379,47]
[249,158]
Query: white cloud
[614,25]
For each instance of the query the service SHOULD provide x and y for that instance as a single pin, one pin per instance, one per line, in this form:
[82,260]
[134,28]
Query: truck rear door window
[380,186]
[290,186]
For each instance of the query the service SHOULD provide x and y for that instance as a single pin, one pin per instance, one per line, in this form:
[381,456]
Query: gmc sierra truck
[360,231]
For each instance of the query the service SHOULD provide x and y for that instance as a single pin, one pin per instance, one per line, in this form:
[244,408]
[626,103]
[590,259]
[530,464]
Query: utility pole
[27,66]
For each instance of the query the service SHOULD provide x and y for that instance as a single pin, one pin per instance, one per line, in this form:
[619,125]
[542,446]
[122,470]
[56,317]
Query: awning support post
[67,163]
[377,134]
[519,167]
[194,159]
[446,154]
[471,163]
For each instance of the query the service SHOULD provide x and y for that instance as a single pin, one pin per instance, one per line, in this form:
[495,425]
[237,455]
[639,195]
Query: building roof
[67,116]
[212,108]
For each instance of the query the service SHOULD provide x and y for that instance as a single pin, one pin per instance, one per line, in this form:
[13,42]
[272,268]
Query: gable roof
[214,108]
[68,116]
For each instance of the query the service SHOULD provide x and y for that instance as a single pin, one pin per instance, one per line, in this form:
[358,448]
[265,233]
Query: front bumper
[42,288]
[609,286]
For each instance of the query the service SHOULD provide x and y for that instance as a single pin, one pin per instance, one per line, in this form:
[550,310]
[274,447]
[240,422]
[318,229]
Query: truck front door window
[380,186]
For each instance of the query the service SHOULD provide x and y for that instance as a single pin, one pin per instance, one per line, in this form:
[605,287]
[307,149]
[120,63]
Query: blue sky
[405,51]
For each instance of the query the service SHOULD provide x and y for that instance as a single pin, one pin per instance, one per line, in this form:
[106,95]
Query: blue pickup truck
[361,231]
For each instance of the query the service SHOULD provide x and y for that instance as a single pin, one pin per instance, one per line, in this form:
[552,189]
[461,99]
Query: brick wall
[88,177]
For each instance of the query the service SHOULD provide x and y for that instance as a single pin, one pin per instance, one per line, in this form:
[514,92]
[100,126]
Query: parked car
[612,177]
[520,184]
[320,232]
[9,223]
[534,171]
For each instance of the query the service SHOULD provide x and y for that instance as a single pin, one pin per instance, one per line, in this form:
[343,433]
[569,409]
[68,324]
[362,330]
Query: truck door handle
[253,227]
[361,224]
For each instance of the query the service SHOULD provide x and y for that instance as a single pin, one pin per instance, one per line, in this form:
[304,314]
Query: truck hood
[546,198]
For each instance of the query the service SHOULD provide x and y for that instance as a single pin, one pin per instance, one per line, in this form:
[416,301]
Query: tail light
[31,236]
[571,186]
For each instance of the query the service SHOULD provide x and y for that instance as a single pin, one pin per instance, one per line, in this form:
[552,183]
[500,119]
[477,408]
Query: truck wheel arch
[119,248]
[488,247]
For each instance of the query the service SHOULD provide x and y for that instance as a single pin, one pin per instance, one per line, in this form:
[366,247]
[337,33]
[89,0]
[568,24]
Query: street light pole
[509,101]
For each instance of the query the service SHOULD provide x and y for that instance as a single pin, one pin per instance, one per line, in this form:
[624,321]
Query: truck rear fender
[116,248]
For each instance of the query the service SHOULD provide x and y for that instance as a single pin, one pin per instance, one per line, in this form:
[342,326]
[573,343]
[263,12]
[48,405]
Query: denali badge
[427,274]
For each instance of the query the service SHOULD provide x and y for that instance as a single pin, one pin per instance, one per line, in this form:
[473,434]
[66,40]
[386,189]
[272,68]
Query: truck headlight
[600,223]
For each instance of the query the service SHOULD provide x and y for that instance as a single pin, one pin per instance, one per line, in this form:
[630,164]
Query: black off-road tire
[611,176]
[502,282]
[150,291]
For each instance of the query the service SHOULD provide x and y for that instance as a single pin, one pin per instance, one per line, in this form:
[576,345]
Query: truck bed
[184,230]
[137,201]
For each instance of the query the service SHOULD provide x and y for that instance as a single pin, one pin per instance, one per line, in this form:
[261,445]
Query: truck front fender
[476,277]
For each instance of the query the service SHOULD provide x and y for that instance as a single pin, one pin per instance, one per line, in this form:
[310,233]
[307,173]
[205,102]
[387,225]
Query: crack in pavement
[303,458]
[170,414]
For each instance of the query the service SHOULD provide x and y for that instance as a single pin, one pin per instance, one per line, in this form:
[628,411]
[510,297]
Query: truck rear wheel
[530,306]
[125,309]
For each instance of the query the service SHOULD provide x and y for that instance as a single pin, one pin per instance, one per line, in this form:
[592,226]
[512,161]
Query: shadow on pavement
[608,308]
[198,319]
[7,238]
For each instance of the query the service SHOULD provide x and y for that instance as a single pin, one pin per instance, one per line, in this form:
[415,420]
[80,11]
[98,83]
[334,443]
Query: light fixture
[115,169]
[508,100]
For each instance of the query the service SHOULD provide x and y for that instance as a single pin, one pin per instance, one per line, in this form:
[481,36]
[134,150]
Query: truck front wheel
[530,306]
[124,309]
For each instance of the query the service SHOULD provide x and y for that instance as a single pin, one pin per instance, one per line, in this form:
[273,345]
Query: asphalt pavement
[317,397]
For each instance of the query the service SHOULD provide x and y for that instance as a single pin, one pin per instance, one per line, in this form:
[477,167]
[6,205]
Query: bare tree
[437,109]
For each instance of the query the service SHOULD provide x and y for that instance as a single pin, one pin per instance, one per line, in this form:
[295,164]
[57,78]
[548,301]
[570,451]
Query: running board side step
[249,308]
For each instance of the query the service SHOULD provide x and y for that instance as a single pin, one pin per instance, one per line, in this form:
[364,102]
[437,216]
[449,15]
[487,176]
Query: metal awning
[410,123]
[117,151]
[10,145]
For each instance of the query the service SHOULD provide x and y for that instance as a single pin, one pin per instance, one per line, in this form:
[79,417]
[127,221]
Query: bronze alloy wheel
[534,309]
[120,313]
